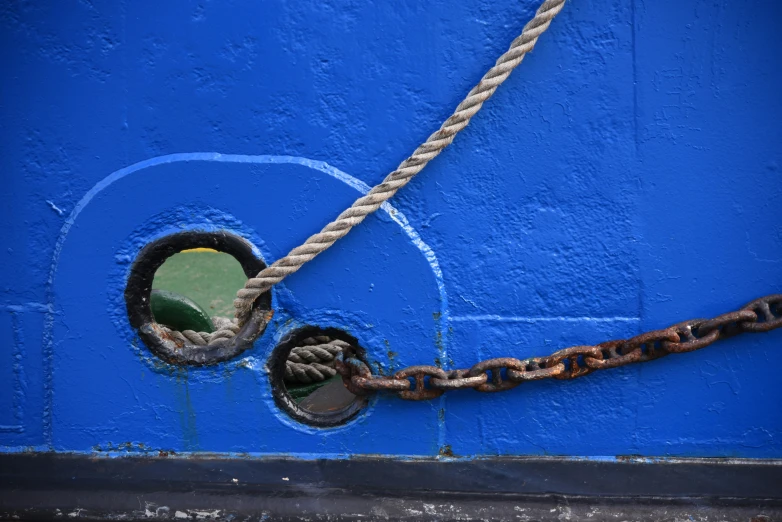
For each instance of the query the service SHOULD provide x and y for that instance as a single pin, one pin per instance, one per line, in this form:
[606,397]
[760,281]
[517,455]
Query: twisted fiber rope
[397,179]
[225,328]
[312,361]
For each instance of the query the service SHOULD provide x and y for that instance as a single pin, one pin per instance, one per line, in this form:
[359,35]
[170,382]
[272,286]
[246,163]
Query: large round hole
[194,275]
[304,382]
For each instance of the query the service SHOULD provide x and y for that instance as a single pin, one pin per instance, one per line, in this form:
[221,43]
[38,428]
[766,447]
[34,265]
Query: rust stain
[446,451]
[391,356]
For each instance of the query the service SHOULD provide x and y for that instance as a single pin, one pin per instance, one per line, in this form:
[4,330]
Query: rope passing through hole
[369,203]
[310,362]
[426,152]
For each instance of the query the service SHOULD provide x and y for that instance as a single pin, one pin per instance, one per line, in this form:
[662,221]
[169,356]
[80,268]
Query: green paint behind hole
[211,279]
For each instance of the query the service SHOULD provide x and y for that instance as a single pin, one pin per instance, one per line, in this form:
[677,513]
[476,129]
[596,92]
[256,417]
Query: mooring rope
[397,179]
[426,152]
[312,360]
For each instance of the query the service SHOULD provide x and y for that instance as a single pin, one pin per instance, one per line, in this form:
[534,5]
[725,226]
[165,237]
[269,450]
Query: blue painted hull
[626,177]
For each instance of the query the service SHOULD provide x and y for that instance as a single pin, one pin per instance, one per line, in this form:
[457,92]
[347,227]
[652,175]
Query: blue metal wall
[627,176]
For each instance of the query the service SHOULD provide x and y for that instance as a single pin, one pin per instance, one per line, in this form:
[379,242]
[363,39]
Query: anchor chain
[423,382]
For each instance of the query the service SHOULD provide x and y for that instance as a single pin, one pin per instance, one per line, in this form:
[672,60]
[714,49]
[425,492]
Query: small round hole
[305,384]
[157,334]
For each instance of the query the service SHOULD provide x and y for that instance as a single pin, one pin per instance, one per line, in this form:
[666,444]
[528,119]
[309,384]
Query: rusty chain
[423,382]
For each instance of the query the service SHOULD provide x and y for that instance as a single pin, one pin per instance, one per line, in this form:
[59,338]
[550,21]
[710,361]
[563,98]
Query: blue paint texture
[626,177]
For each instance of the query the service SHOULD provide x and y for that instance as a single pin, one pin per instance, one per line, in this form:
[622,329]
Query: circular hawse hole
[180,291]
[305,384]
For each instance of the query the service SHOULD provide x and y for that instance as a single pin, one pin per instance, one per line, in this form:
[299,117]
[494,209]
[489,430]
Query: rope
[311,361]
[397,179]
[225,328]
[425,153]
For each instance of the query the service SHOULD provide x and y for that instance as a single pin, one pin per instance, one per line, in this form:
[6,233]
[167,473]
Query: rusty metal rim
[284,401]
[139,287]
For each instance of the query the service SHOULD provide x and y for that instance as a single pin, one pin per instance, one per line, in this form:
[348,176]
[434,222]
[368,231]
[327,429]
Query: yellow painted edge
[199,250]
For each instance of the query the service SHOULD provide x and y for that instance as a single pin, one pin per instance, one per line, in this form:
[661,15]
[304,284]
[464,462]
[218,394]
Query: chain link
[419,383]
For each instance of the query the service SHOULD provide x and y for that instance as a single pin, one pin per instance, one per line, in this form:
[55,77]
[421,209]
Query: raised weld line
[25,307]
[523,319]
